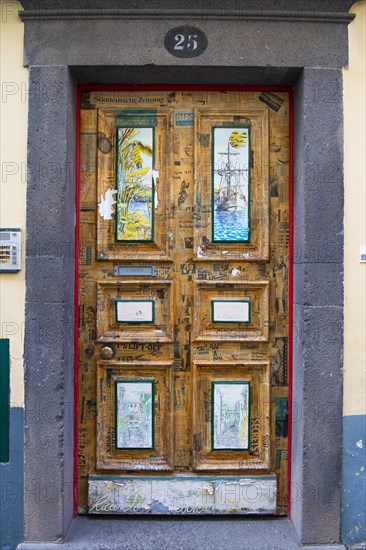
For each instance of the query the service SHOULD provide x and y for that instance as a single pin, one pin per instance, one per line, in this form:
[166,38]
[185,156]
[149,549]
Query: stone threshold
[172,533]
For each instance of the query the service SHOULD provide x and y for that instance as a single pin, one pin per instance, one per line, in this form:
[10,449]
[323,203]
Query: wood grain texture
[183,351]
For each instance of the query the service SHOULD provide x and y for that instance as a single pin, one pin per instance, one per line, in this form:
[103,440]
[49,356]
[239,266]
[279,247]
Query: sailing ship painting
[230,415]
[134,414]
[230,219]
[135,186]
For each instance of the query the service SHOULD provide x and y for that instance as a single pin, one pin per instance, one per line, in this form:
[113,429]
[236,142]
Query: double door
[183,303]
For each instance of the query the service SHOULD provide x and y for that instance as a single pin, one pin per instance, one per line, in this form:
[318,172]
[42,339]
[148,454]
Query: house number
[185,41]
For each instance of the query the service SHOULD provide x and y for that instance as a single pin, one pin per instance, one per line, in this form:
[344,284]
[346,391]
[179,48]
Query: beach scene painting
[230,415]
[230,181]
[135,185]
[134,414]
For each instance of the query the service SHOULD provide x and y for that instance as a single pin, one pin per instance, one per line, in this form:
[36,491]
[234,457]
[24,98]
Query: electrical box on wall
[363,253]
[10,250]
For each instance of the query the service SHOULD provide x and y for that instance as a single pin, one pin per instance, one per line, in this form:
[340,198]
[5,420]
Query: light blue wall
[354,480]
[11,485]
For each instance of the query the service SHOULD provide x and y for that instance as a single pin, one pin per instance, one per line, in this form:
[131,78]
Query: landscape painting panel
[230,415]
[134,415]
[230,216]
[135,186]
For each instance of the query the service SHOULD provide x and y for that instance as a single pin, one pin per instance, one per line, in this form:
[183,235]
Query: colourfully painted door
[183,302]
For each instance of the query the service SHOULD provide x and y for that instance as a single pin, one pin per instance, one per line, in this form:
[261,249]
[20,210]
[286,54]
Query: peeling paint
[183,495]
[359,444]
[105,206]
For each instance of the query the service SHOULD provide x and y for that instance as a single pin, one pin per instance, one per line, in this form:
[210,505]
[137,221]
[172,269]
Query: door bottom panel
[182,495]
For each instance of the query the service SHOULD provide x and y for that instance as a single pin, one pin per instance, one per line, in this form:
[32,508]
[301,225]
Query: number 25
[191,42]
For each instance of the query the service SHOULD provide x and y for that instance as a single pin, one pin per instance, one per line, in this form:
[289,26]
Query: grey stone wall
[49,324]
[318,306]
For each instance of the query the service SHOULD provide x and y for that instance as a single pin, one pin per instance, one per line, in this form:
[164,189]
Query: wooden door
[183,303]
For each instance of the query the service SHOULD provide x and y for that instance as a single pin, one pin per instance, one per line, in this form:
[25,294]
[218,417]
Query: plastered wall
[13,144]
[13,111]
[355,217]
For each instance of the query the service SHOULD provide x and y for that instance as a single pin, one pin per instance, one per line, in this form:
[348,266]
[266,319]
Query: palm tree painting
[135,185]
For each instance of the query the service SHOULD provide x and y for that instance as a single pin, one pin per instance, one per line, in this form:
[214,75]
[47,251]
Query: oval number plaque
[185,41]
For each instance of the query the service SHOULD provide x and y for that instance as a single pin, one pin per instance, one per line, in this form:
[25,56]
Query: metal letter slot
[134,271]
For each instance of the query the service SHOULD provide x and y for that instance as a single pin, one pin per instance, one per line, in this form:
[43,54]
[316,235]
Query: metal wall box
[10,250]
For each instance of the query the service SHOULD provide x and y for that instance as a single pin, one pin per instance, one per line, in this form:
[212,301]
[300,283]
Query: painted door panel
[183,304]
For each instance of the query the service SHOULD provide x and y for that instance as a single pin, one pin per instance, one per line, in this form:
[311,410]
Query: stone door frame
[314,69]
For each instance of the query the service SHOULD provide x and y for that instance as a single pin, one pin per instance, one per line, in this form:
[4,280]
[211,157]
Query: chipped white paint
[106,205]
[246,496]
[155,176]
[183,495]
[359,444]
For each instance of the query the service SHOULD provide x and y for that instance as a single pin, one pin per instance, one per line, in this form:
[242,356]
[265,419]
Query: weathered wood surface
[183,351]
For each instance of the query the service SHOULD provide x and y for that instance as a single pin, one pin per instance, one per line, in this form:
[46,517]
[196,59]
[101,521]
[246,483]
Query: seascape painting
[135,185]
[230,415]
[134,414]
[230,216]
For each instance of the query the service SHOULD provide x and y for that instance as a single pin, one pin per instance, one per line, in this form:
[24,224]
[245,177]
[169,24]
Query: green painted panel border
[4,399]
[139,381]
[140,118]
[153,187]
[229,382]
[213,302]
[236,127]
[135,322]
